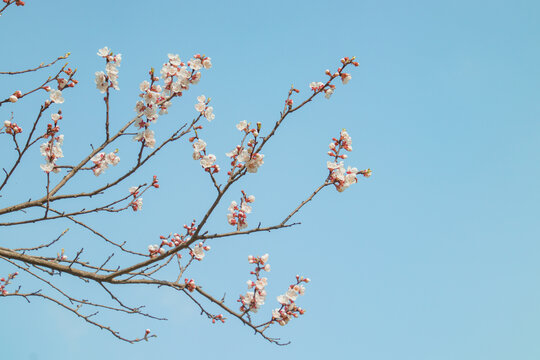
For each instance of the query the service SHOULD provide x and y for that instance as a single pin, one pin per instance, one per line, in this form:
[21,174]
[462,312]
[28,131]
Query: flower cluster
[345,77]
[342,178]
[146,137]
[51,149]
[289,309]
[177,78]
[190,285]
[316,86]
[55,95]
[12,128]
[4,282]
[204,109]
[237,214]
[137,202]
[254,299]
[198,62]
[328,88]
[251,160]
[102,161]
[177,240]
[108,79]
[199,153]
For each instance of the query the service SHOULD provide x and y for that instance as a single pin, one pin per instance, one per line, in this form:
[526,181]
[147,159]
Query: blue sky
[434,257]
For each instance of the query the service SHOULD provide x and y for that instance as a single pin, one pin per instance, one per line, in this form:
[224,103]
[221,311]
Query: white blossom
[208,160]
[148,136]
[56,96]
[103,52]
[199,145]
[242,125]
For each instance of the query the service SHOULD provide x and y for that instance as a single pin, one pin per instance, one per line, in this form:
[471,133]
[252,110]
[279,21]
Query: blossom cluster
[109,78]
[137,202]
[4,282]
[12,128]
[102,161]
[237,214]
[342,178]
[246,157]
[190,285]
[254,299]
[55,95]
[288,308]
[177,240]
[51,149]
[204,109]
[328,88]
[177,77]
[199,153]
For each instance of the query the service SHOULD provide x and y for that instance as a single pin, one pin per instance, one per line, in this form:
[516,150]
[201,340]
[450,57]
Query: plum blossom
[256,161]
[252,161]
[174,59]
[254,299]
[342,178]
[237,214]
[328,92]
[155,250]
[148,137]
[56,96]
[316,86]
[204,109]
[103,52]
[345,78]
[12,128]
[207,63]
[242,125]
[198,251]
[101,81]
[144,86]
[209,113]
[136,205]
[110,77]
[201,105]
[102,161]
[190,285]
[199,145]
[289,309]
[195,64]
[207,161]
[156,99]
[346,140]
[52,151]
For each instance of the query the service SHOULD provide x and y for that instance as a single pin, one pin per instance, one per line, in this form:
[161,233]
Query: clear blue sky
[434,257]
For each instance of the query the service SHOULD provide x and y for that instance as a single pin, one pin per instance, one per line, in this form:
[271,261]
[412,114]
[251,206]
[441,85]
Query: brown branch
[41,66]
